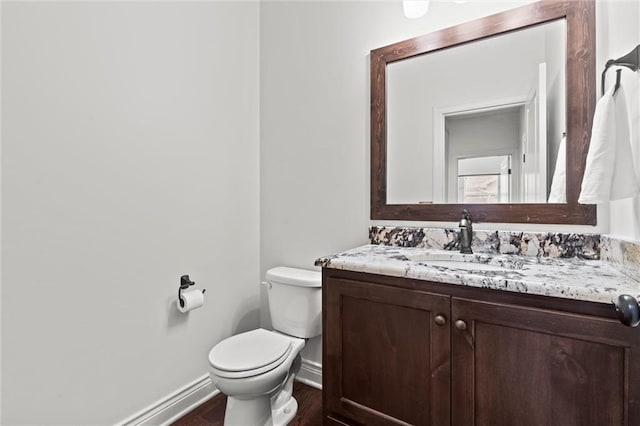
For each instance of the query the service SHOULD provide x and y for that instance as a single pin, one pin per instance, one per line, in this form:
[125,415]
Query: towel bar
[631,60]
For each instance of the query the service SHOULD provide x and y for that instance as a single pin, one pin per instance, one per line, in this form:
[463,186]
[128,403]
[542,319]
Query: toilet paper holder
[185,282]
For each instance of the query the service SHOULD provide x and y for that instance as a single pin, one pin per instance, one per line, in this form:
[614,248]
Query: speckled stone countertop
[570,278]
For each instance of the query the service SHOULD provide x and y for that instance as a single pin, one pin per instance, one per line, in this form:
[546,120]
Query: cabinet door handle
[440,320]
[461,325]
[628,310]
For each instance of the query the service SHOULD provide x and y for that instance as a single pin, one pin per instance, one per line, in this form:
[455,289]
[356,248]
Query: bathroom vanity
[422,336]
[523,333]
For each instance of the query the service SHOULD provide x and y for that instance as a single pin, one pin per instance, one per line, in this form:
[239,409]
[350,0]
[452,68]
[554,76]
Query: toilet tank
[295,301]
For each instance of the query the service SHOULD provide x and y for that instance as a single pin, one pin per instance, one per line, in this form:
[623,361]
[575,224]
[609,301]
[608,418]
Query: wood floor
[211,413]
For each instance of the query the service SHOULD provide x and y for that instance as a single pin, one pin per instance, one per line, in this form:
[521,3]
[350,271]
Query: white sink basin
[469,262]
[444,256]
[470,266]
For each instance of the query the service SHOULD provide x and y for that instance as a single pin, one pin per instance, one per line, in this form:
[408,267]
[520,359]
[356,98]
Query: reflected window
[483,180]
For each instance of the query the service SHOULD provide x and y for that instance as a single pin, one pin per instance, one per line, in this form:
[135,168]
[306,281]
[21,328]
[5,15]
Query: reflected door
[534,141]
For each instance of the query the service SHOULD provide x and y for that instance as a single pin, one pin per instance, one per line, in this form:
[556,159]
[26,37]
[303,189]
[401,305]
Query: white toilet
[256,369]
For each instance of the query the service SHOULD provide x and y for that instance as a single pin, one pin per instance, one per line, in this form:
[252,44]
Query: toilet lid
[249,351]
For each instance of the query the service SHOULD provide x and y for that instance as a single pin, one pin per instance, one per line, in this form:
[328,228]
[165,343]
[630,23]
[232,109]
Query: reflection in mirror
[483,180]
[478,123]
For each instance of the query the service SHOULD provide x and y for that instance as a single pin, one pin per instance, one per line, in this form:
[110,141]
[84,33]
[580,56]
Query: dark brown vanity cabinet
[386,356]
[400,351]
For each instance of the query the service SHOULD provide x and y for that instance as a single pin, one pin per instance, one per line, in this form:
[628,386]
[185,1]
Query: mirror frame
[579,16]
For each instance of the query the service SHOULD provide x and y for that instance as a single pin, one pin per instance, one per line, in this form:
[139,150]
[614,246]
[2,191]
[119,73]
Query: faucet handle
[466,219]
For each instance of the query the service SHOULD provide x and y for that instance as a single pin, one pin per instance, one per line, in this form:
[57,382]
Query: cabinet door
[386,354]
[522,366]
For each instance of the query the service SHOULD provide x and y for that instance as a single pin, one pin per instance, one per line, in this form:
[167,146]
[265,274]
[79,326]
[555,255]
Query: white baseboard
[179,403]
[310,374]
[176,405]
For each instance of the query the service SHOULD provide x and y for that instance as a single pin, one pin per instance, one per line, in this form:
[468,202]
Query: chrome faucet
[466,232]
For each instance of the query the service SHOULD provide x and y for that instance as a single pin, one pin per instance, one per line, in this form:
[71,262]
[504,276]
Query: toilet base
[243,412]
[286,413]
[258,412]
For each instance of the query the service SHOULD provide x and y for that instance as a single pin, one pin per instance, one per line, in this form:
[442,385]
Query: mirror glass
[479,123]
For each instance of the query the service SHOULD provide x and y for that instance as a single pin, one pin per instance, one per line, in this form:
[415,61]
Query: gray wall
[130,156]
[620,19]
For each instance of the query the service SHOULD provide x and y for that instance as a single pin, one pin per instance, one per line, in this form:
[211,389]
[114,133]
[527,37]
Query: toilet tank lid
[294,276]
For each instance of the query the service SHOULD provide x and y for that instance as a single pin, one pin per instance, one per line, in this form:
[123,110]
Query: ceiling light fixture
[414,9]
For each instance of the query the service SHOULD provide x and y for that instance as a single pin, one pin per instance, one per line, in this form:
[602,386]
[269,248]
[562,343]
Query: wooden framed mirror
[579,92]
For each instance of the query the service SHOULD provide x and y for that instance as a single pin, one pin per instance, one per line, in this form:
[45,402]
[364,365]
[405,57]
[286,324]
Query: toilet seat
[249,354]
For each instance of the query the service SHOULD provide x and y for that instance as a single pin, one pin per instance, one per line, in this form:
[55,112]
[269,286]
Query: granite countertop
[570,278]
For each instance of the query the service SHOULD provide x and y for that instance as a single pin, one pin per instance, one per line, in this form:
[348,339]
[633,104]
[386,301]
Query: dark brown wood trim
[581,99]
[581,91]
[325,377]
[507,213]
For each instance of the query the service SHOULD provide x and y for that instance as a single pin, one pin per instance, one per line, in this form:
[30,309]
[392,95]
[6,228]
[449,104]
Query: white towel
[558,192]
[610,173]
